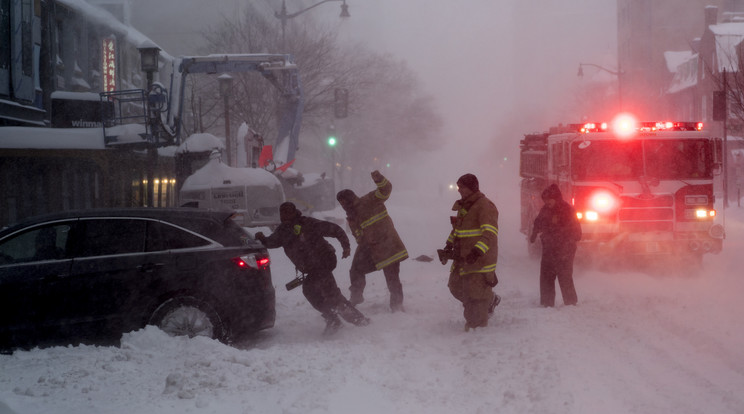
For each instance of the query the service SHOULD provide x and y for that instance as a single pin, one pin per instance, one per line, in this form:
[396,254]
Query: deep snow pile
[636,343]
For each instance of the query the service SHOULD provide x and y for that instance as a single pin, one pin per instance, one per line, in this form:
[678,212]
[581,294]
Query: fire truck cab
[639,189]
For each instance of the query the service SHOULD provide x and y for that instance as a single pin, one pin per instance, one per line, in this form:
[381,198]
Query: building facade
[56,58]
[646,30]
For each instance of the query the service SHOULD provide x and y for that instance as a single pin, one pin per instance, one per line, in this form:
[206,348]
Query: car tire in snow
[187,315]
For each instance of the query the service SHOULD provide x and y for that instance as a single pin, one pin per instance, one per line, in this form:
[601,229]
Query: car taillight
[252,261]
[262,262]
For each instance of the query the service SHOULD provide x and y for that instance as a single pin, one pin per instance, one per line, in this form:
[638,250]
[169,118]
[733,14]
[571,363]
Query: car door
[112,272]
[32,261]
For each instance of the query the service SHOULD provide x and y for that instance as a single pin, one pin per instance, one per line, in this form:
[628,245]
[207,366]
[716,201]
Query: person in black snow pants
[303,240]
[559,230]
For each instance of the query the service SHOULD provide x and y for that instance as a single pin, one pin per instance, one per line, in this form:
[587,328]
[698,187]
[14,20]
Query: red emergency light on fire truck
[639,188]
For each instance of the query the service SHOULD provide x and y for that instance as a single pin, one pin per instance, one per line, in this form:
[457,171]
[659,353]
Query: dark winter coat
[558,226]
[303,240]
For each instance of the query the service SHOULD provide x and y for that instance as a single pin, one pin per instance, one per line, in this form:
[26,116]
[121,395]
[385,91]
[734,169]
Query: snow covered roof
[74,138]
[201,142]
[673,59]
[728,36]
[215,174]
[102,16]
[684,65]
[51,138]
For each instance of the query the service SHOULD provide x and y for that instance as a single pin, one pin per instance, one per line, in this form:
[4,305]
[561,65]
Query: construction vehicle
[164,127]
[640,189]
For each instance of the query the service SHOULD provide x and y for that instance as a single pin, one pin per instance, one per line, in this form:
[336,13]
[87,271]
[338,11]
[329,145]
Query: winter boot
[396,300]
[333,323]
[397,307]
[493,305]
[356,298]
[351,314]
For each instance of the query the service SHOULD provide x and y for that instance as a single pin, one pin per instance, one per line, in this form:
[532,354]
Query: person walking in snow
[303,240]
[379,247]
[560,231]
[473,246]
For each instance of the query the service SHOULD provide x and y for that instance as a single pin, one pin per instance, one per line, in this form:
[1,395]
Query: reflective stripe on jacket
[372,226]
[475,226]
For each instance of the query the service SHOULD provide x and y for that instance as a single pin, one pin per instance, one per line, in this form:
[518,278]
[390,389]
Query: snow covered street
[636,343]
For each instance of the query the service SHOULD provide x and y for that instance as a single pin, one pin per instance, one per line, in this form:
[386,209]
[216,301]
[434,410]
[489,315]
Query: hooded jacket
[559,228]
[475,226]
[372,226]
[303,240]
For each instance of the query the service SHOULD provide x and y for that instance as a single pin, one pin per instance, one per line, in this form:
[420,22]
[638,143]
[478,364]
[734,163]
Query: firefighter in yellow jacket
[379,246]
[473,246]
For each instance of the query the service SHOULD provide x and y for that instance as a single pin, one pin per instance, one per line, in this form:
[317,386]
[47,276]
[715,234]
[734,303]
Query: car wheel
[187,315]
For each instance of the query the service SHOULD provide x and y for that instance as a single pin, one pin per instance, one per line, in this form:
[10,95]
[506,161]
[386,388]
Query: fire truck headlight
[700,213]
[602,202]
[592,216]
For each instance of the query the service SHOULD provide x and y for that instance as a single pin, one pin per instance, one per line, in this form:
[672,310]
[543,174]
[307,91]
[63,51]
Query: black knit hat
[289,209]
[345,195]
[470,181]
[552,192]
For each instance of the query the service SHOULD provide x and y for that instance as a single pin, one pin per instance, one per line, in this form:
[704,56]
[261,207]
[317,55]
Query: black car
[88,276]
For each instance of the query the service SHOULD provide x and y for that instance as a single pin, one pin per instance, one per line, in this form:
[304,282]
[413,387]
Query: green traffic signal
[332,141]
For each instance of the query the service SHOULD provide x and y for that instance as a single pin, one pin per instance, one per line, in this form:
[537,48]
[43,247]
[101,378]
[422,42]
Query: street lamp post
[283,16]
[149,58]
[226,82]
[611,72]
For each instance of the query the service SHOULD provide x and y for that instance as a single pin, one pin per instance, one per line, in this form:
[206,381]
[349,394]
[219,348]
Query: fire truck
[640,189]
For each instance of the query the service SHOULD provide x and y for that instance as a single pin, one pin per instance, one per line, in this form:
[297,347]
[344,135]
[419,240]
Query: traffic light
[332,140]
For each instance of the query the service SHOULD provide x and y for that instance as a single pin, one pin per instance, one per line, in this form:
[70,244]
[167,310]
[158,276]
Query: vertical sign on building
[109,64]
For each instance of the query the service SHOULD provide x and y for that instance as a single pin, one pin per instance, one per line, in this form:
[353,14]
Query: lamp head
[149,56]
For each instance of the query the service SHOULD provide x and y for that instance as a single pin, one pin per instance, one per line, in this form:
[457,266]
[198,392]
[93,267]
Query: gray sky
[478,57]
[486,57]
[498,68]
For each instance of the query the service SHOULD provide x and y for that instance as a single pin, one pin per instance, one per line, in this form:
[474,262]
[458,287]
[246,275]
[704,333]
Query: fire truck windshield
[628,160]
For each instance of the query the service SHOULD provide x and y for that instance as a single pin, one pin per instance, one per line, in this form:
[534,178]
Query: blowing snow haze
[497,69]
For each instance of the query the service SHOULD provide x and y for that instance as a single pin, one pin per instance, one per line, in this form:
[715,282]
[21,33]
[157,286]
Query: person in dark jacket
[379,247]
[559,230]
[303,240]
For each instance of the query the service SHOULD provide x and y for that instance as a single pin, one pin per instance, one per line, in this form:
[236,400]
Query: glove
[446,253]
[376,176]
[346,253]
[260,237]
[473,256]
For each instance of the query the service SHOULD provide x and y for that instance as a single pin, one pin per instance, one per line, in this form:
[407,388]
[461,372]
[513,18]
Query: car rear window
[161,236]
[227,233]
